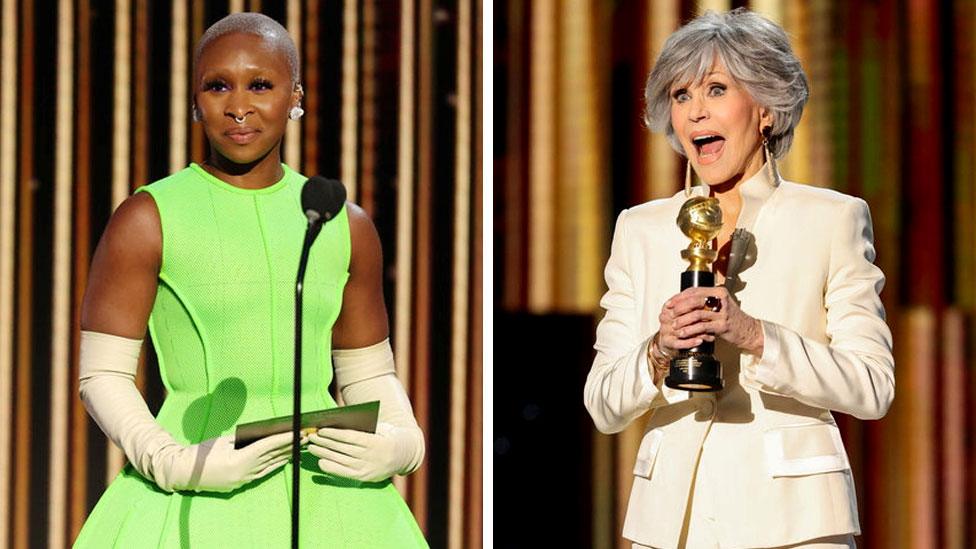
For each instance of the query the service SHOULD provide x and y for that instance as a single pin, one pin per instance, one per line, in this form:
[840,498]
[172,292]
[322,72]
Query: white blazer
[777,463]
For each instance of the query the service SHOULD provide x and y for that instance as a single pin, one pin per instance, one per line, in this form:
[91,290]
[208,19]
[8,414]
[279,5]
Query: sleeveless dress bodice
[223,329]
[226,301]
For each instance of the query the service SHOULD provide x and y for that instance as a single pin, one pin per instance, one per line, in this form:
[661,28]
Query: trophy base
[698,373]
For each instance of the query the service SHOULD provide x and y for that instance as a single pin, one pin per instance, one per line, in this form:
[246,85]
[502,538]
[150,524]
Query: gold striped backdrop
[890,119]
[94,102]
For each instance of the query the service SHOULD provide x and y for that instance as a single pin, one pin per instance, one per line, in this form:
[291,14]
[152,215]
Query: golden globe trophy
[700,219]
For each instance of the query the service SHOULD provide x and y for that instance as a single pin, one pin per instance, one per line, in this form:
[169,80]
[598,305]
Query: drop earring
[688,177]
[770,159]
[296,112]
[195,113]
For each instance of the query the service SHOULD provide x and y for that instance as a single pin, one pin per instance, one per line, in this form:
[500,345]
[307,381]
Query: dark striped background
[94,102]
[890,119]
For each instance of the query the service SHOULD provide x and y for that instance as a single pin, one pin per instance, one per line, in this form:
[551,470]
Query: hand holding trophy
[700,219]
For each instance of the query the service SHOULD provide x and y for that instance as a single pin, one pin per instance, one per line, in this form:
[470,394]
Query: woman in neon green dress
[206,259]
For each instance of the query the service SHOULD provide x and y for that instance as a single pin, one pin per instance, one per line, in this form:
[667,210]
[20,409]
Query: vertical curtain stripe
[8,196]
[140,105]
[542,152]
[61,301]
[403,296]
[350,97]
[886,211]
[121,153]
[953,384]
[293,133]
[122,116]
[473,496]
[460,309]
[513,180]
[310,79]
[405,196]
[423,238]
[919,405]
[795,166]
[964,185]
[139,152]
[179,95]
[367,104]
[664,163]
[197,143]
[580,190]
[78,453]
[25,283]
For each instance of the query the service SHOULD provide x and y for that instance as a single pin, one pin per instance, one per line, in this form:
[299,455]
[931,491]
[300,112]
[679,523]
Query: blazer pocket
[804,449]
[647,453]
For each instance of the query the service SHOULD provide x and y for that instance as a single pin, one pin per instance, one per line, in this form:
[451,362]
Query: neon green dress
[223,328]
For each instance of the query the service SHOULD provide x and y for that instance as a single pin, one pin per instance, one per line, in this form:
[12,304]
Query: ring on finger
[713,304]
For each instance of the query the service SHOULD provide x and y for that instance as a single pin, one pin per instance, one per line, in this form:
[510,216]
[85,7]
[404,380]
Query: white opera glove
[366,457]
[107,388]
[397,447]
[215,466]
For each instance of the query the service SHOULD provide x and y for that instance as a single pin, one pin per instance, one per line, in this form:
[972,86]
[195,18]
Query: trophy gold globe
[700,219]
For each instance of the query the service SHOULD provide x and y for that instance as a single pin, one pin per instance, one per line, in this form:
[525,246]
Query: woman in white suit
[795,315]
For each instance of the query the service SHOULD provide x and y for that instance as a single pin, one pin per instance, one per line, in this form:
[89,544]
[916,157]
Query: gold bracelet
[664,360]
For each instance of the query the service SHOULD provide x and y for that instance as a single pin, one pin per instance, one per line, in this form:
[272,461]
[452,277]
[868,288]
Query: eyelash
[678,93]
[260,84]
[213,85]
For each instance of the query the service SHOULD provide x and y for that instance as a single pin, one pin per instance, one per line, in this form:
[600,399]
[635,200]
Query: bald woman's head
[255,24]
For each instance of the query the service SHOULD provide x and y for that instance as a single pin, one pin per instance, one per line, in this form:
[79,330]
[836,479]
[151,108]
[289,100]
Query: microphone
[322,200]
[740,243]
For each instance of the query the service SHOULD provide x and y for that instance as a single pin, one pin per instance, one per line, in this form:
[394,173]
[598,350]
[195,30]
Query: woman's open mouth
[709,147]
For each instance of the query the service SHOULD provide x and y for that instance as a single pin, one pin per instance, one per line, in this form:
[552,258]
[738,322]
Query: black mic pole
[322,200]
[314,226]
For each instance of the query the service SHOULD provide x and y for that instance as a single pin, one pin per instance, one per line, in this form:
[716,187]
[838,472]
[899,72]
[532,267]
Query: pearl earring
[296,112]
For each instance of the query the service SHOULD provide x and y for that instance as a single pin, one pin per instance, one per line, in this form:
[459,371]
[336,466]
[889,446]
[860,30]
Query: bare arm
[362,320]
[122,280]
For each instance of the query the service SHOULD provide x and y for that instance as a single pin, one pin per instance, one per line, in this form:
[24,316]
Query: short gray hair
[757,54]
[256,24]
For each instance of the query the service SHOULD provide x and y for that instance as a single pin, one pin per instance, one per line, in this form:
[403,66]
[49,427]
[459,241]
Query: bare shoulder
[137,216]
[365,241]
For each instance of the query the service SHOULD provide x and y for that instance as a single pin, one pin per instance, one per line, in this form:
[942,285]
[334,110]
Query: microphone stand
[314,226]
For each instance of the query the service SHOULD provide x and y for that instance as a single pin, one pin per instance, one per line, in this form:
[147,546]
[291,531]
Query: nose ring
[240,120]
